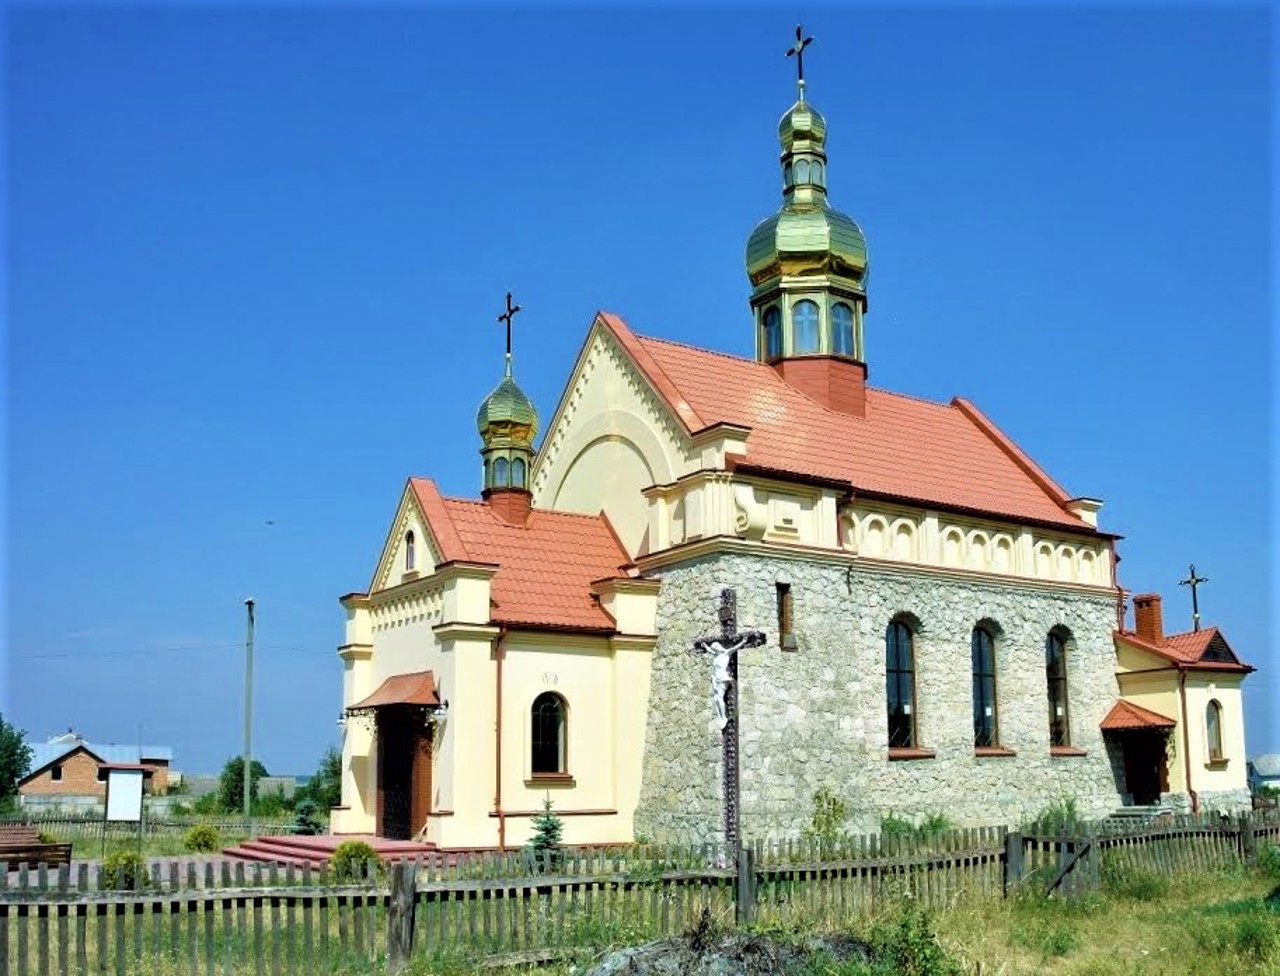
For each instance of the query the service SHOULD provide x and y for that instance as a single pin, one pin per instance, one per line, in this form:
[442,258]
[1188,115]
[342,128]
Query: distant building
[68,768]
[1264,772]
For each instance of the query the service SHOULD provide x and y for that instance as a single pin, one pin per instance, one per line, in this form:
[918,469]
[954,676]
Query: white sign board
[124,795]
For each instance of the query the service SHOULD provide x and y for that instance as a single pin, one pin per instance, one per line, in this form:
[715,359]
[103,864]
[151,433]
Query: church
[944,631]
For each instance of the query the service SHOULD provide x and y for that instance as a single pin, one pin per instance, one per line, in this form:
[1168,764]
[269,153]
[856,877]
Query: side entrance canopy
[414,688]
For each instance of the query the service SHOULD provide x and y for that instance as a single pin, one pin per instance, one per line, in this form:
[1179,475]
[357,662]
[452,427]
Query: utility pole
[248,718]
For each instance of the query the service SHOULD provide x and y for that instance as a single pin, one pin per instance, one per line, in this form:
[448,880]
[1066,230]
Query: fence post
[1248,843]
[746,902]
[400,914]
[1012,861]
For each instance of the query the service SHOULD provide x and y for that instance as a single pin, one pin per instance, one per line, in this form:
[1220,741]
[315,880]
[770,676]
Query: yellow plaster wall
[611,439]
[1225,689]
[1158,692]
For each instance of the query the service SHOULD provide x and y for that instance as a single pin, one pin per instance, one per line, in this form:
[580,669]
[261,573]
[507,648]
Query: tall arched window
[900,690]
[842,329]
[1213,726]
[804,326]
[549,754]
[501,473]
[517,473]
[409,555]
[772,333]
[802,171]
[985,728]
[1055,669]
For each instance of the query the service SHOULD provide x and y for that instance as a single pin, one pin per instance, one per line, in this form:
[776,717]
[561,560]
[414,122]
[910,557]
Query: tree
[231,783]
[15,759]
[325,787]
[545,843]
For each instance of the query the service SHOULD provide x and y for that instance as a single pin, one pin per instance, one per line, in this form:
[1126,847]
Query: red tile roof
[1126,715]
[414,688]
[949,455]
[545,566]
[1189,649]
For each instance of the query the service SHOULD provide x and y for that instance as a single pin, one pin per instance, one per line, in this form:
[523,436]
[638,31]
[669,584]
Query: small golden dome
[802,127]
[507,412]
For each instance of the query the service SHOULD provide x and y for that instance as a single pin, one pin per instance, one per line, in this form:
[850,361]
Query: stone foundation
[816,717]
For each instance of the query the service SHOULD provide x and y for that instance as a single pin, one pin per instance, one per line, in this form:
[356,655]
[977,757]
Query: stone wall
[816,717]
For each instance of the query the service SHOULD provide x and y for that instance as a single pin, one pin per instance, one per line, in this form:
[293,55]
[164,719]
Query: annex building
[946,632]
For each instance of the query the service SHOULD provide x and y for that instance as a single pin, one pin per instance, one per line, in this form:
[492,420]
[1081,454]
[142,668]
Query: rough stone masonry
[816,717]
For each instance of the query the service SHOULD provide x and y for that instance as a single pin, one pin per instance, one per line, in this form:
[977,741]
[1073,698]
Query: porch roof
[1126,716]
[414,688]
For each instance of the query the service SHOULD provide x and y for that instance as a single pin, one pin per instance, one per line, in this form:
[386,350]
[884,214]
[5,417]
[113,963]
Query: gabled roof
[45,754]
[545,567]
[1206,649]
[1125,715]
[948,455]
[1267,764]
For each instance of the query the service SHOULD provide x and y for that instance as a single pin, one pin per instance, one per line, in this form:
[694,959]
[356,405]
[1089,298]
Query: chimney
[510,504]
[837,383]
[1147,617]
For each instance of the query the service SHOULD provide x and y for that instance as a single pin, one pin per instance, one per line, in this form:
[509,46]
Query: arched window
[501,473]
[772,333]
[802,171]
[985,729]
[1055,669]
[1213,726]
[548,734]
[409,556]
[804,324]
[842,329]
[815,173]
[517,473]
[900,687]
[786,175]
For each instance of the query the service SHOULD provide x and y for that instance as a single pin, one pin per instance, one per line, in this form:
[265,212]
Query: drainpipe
[499,653]
[1186,740]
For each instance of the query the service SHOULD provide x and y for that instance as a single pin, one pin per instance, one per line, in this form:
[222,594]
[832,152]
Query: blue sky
[256,255]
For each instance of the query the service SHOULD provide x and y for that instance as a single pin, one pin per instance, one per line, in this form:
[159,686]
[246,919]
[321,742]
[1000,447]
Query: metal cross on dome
[507,317]
[724,649]
[1194,582]
[797,51]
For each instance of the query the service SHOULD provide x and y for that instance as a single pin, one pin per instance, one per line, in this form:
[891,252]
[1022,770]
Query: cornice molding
[355,652]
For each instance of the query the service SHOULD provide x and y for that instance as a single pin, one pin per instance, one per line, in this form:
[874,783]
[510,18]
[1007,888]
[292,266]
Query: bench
[20,844]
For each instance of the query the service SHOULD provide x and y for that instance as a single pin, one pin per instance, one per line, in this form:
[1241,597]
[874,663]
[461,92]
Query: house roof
[1267,764]
[1206,649]
[414,688]
[1125,715]
[904,448]
[545,566]
[44,754]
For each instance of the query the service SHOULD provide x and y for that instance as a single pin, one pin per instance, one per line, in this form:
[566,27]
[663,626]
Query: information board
[124,795]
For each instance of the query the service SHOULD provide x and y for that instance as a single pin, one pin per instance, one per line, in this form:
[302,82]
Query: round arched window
[517,473]
[804,324]
[548,739]
[772,333]
[501,473]
[842,329]
[802,171]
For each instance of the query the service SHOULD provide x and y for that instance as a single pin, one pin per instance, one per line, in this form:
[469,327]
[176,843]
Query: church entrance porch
[404,771]
[403,712]
[1146,765]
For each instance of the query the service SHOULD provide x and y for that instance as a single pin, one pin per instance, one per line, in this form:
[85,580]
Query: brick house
[68,765]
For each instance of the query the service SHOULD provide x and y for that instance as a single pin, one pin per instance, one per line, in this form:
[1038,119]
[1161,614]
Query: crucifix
[1194,581]
[723,649]
[797,51]
[507,317]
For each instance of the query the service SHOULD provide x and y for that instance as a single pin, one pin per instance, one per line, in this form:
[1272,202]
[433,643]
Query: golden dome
[806,238]
[802,123]
[507,413]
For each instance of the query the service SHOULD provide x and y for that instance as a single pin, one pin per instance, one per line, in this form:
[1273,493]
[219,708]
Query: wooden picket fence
[235,918]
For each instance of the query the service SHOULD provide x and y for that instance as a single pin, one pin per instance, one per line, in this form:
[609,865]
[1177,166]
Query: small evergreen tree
[545,844]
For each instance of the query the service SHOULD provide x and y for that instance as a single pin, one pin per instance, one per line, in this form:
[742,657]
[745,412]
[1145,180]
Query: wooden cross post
[724,649]
[1194,581]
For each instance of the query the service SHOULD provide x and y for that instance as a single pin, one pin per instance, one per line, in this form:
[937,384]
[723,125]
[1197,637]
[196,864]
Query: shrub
[934,824]
[827,825]
[1059,816]
[908,946]
[123,871]
[1269,860]
[209,804]
[202,837]
[545,843]
[351,856]
[892,825]
[44,837]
